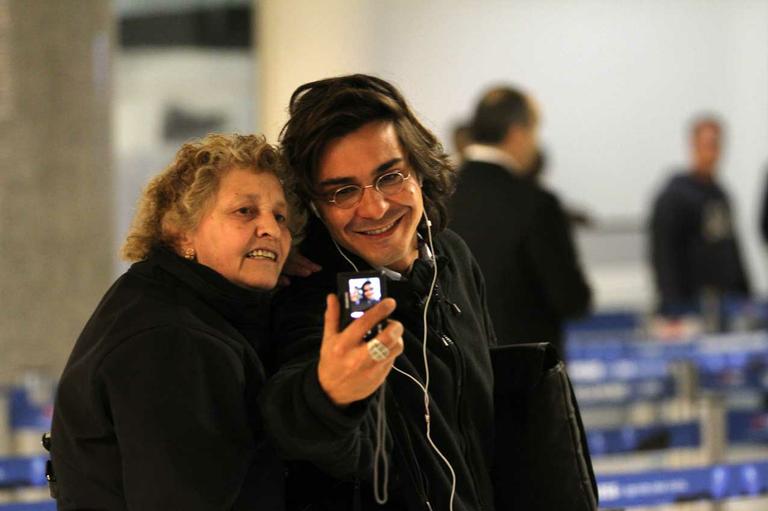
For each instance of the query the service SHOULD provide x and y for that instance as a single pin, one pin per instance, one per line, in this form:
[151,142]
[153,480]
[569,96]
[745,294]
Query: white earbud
[429,227]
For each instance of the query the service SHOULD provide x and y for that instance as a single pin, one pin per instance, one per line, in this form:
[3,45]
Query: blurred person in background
[517,230]
[156,407]
[694,250]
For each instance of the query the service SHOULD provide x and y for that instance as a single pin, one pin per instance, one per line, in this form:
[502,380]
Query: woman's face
[243,234]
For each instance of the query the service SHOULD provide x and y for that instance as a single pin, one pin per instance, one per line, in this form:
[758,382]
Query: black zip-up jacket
[307,426]
[156,409]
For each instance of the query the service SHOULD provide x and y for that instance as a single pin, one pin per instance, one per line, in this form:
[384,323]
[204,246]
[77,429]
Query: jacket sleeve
[300,418]
[668,239]
[176,399]
[551,248]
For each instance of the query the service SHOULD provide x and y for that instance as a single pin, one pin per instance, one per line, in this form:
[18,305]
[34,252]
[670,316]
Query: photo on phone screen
[358,292]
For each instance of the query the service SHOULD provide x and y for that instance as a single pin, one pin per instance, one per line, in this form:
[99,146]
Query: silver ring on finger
[377,350]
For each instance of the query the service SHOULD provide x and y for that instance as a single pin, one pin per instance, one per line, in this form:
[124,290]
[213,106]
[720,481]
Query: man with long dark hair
[413,431]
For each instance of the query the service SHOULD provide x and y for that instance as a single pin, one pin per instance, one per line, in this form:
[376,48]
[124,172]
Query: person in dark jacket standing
[412,430]
[517,230]
[694,250]
[156,407]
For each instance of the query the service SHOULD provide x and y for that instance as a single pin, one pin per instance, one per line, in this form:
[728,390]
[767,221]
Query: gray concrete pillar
[298,41]
[56,255]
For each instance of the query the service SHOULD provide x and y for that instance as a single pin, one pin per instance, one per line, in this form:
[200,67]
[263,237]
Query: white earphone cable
[380,493]
[425,388]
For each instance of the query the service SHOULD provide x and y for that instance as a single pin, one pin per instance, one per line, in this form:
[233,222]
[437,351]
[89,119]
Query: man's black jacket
[522,241]
[156,409]
[307,426]
[693,244]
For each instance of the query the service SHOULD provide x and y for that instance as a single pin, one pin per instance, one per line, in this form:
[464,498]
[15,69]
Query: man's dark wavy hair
[328,109]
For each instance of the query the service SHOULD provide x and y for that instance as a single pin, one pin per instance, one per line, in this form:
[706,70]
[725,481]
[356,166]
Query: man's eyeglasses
[349,196]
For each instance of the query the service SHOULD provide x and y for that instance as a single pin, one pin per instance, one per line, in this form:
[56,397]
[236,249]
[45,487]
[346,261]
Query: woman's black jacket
[156,408]
[335,447]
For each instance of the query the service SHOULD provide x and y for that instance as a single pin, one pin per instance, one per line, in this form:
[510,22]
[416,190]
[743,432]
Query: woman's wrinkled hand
[346,370]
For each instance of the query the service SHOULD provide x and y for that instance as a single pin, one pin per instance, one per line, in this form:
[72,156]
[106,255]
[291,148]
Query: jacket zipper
[460,369]
[459,365]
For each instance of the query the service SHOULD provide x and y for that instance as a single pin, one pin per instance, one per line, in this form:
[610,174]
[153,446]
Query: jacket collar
[494,155]
[236,304]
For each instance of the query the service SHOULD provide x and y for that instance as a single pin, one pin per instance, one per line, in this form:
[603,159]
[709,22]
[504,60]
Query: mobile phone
[358,292]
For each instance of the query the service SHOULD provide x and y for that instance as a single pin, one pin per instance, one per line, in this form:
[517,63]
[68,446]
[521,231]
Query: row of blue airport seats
[715,482]
[25,412]
[662,388]
[607,370]
[616,372]
[717,349]
[607,321]
[22,471]
[735,312]
[29,412]
[45,505]
[643,488]
[743,427]
[613,364]
[626,370]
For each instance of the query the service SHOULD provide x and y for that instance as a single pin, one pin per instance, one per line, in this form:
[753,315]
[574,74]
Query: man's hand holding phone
[347,369]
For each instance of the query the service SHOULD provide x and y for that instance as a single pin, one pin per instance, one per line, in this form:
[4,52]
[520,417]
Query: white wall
[303,40]
[617,81]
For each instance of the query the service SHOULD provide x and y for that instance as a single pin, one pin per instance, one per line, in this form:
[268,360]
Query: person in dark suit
[518,231]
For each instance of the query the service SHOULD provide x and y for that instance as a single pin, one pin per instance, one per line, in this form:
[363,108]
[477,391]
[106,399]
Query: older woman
[156,406]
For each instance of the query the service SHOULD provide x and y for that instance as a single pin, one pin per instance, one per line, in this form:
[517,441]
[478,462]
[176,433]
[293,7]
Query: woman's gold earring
[189,254]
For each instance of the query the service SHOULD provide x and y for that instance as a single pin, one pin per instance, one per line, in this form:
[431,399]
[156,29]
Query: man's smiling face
[380,229]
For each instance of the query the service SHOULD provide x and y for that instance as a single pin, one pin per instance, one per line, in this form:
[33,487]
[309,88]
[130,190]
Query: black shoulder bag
[541,458]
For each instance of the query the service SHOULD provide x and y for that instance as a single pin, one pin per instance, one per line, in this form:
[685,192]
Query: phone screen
[359,292]
[364,293]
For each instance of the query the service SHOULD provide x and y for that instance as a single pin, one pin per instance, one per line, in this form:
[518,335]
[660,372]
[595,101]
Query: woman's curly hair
[176,199]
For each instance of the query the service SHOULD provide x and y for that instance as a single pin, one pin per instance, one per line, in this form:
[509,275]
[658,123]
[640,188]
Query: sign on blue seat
[22,471]
[684,485]
[46,505]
